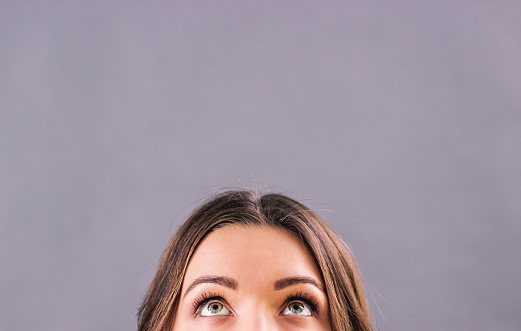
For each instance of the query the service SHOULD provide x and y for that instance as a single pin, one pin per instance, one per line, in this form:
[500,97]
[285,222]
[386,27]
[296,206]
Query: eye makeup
[205,298]
[306,298]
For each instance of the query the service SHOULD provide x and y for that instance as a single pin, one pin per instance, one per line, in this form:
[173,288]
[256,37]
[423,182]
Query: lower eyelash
[311,301]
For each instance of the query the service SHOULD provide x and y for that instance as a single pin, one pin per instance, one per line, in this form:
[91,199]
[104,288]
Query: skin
[258,278]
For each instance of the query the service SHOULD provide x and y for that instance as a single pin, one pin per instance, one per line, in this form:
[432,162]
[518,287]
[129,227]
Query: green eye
[214,308]
[297,308]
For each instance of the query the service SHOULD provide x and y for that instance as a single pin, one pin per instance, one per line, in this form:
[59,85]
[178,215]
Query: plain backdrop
[399,122]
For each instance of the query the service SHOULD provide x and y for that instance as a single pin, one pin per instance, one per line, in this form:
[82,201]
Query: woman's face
[252,278]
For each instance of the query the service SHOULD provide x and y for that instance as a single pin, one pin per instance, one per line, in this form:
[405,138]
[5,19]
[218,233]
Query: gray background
[400,123]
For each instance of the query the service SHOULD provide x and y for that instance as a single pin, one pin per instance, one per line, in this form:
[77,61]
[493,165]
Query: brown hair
[348,308]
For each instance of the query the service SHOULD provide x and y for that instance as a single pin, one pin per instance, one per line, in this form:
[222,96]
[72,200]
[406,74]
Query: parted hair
[347,304]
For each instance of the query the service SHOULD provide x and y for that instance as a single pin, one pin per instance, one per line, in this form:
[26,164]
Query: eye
[214,308]
[297,308]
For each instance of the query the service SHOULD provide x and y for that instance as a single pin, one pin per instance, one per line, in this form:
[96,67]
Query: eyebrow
[219,280]
[234,285]
[286,282]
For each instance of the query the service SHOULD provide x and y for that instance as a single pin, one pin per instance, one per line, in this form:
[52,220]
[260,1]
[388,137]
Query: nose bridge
[255,317]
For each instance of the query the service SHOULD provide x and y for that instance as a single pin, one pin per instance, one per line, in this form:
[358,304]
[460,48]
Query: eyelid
[306,309]
[224,311]
[203,297]
[206,298]
[305,298]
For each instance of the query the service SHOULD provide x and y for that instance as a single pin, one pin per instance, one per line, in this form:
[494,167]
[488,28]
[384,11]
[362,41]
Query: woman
[247,262]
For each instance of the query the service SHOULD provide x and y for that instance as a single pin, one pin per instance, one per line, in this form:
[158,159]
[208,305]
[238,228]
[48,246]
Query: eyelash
[206,297]
[311,301]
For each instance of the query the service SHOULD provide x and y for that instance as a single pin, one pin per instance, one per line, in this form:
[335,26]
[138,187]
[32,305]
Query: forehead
[241,251]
